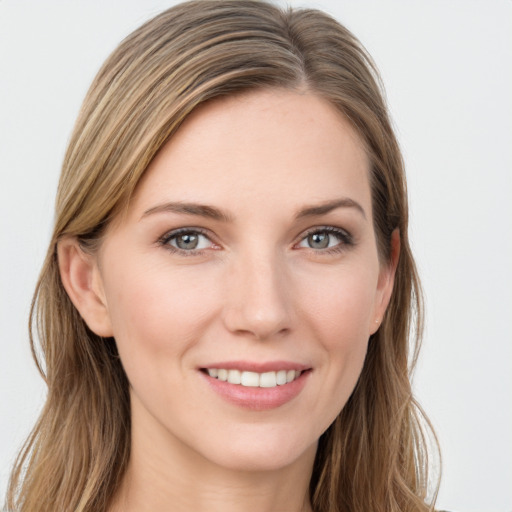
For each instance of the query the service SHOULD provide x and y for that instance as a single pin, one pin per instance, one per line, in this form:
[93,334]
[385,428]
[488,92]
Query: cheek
[339,309]
[343,318]
[340,305]
[157,312]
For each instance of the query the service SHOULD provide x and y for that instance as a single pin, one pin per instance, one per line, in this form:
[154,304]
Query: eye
[187,240]
[329,238]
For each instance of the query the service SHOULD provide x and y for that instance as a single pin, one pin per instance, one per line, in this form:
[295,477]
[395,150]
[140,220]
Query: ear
[386,281]
[82,281]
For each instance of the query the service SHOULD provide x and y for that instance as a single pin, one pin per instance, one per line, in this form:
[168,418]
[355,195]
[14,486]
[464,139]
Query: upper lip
[258,367]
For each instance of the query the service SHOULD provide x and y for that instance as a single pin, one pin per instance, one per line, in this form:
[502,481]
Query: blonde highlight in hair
[374,456]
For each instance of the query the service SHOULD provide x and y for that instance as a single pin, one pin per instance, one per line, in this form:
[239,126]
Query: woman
[226,303]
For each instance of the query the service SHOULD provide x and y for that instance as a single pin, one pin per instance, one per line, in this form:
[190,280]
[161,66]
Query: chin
[261,455]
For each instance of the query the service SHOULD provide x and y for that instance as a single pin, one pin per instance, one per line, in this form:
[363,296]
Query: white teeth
[234,376]
[281,377]
[268,380]
[250,379]
[253,379]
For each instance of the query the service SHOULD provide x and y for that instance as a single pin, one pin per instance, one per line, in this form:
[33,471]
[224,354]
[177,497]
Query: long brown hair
[374,456]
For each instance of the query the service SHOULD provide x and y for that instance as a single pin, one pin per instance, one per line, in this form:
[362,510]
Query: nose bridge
[258,302]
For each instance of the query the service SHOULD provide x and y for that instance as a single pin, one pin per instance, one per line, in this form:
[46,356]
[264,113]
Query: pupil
[319,240]
[187,241]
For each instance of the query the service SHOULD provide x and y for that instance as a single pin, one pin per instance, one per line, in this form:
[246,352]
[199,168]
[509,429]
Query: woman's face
[248,253]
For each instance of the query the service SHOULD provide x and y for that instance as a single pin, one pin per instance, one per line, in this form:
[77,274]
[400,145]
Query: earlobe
[386,282]
[82,281]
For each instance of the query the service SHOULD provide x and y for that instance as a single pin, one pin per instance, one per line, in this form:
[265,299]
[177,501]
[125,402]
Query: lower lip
[258,399]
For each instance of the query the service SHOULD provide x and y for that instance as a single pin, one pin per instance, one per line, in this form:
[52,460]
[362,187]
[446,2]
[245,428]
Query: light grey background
[447,66]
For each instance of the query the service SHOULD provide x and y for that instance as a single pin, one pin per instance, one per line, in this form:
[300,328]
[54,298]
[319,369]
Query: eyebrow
[214,213]
[200,210]
[323,208]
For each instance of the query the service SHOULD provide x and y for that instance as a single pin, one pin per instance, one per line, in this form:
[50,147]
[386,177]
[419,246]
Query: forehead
[277,147]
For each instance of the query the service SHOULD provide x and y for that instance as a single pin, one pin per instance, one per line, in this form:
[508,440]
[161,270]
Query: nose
[258,302]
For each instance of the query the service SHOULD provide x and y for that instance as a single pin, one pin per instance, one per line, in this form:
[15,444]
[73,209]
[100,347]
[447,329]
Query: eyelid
[173,233]
[346,238]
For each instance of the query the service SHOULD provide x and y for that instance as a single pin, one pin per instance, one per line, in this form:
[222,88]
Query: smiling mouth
[254,379]
[257,386]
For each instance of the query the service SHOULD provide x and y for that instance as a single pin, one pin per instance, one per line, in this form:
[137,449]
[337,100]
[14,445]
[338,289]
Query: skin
[255,290]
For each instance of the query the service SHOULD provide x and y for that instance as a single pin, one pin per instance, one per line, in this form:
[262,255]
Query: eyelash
[345,238]
[166,239]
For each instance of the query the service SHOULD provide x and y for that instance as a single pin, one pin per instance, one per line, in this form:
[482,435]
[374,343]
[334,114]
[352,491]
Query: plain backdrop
[447,67]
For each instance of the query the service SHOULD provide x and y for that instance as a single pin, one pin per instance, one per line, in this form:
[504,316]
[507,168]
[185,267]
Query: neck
[224,492]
